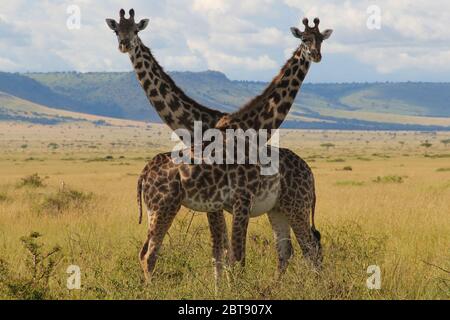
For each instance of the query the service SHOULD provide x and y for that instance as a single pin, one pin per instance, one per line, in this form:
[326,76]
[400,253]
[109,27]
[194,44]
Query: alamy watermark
[374,19]
[73,22]
[74,279]
[374,281]
[230,147]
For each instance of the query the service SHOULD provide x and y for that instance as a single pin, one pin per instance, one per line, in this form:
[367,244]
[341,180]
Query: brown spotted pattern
[175,108]
[237,189]
[167,186]
[269,110]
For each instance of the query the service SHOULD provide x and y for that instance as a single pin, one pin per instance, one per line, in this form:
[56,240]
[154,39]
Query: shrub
[336,160]
[40,266]
[437,156]
[350,183]
[381,155]
[327,145]
[53,146]
[348,168]
[105,159]
[389,179]
[32,181]
[445,142]
[443,170]
[64,200]
[3,197]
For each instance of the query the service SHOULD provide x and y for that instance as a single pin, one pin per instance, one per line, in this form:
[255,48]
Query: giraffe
[175,108]
[297,179]
[238,189]
[178,111]
[270,109]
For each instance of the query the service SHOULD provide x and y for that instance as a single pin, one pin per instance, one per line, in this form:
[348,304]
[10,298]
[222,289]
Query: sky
[377,40]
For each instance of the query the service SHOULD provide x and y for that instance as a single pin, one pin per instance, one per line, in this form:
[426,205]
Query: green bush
[64,200]
[350,183]
[40,267]
[32,181]
[389,179]
[3,197]
[53,146]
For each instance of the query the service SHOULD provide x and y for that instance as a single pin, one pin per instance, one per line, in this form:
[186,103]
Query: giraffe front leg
[282,235]
[226,245]
[218,228]
[241,217]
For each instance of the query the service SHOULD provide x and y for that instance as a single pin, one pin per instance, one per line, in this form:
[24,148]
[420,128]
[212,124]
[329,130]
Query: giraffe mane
[186,98]
[250,105]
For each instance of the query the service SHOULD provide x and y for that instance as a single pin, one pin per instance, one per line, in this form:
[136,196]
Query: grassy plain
[383,199]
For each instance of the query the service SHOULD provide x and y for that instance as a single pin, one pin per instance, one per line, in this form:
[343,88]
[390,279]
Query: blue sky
[246,39]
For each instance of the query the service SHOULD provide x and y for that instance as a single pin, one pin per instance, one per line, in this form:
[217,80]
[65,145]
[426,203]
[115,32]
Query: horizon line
[233,80]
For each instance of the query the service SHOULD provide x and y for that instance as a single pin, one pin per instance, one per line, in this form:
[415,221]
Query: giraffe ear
[142,24]
[112,24]
[327,34]
[296,32]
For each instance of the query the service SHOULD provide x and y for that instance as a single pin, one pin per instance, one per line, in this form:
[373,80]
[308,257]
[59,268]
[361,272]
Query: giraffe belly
[264,203]
[267,197]
[206,202]
[202,206]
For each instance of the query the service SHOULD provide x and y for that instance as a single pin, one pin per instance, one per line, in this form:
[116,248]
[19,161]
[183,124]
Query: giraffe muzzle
[316,57]
[124,46]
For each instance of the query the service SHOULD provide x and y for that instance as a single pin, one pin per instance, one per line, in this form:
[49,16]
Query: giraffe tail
[139,196]
[315,232]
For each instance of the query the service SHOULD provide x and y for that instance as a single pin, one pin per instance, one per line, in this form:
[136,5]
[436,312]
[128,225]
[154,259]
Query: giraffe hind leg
[160,222]
[308,240]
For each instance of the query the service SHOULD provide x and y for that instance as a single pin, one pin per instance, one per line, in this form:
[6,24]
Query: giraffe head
[127,30]
[312,38]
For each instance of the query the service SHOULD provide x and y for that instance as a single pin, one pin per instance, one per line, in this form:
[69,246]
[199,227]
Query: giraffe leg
[226,245]
[160,222]
[309,241]
[241,217]
[282,235]
[218,228]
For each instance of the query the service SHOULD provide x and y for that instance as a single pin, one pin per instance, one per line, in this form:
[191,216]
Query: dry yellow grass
[399,222]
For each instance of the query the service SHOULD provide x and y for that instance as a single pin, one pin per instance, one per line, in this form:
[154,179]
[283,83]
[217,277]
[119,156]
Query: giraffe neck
[173,106]
[270,109]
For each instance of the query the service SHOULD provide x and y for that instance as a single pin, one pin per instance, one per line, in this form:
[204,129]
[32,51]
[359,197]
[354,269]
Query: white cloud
[218,60]
[414,34]
[211,6]
[187,62]
[7,65]
[247,39]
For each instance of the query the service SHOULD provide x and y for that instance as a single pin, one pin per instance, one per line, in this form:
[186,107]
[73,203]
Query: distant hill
[381,106]
[16,109]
